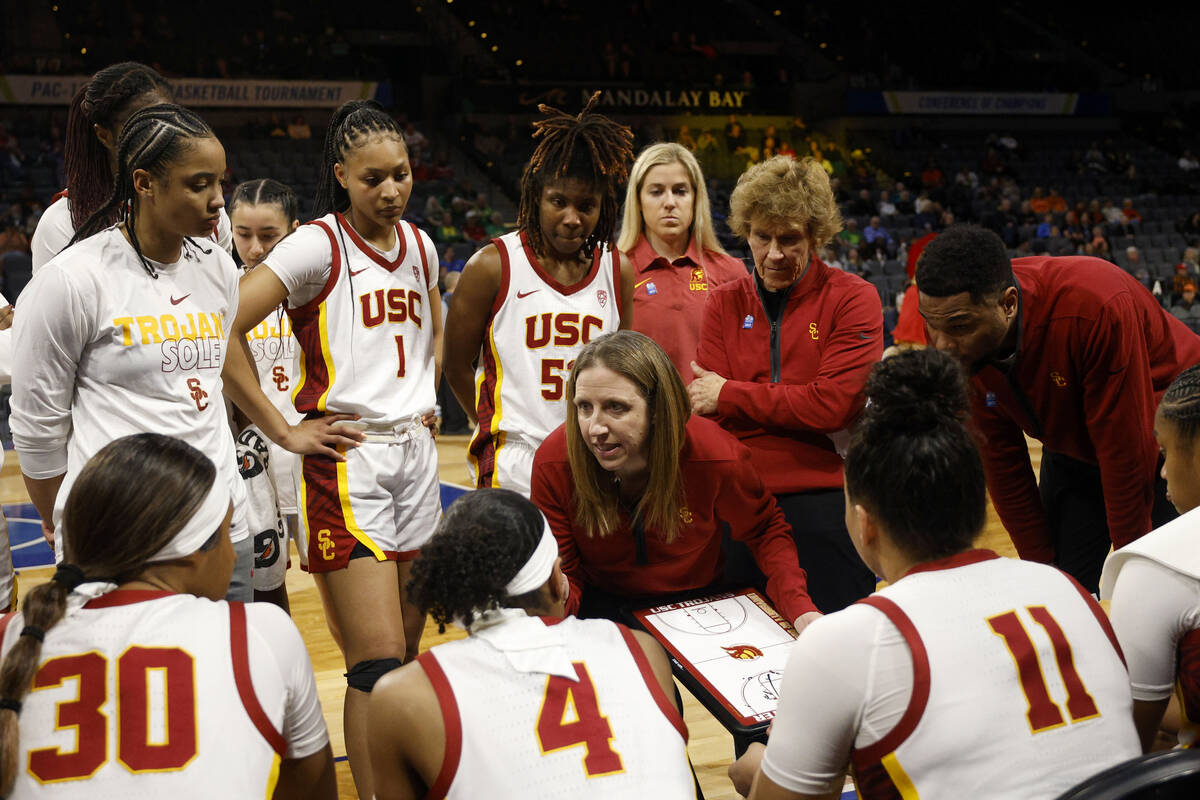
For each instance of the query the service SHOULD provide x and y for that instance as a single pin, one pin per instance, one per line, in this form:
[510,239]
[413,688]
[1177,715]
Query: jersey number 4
[586,726]
[138,748]
[1043,713]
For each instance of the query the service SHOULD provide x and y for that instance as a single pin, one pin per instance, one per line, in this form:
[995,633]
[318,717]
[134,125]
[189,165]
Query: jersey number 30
[137,749]
[587,727]
[1043,713]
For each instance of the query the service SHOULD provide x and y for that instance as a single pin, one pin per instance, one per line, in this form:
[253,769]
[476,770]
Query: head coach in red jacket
[1071,351]
[783,361]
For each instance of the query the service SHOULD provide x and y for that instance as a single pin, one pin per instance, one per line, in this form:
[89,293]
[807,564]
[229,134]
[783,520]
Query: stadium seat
[1171,775]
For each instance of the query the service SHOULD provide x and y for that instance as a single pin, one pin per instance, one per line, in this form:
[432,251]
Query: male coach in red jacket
[1071,351]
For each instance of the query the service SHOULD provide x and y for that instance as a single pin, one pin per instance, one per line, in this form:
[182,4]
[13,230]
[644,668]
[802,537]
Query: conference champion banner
[978,103]
[58,90]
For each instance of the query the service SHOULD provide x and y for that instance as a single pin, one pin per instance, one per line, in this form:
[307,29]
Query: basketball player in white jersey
[263,212]
[361,292]
[128,330]
[529,705]
[94,123]
[1153,584]
[528,302]
[8,576]
[970,675]
[126,675]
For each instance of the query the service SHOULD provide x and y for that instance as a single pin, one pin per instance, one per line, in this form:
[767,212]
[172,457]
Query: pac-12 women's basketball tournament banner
[57,90]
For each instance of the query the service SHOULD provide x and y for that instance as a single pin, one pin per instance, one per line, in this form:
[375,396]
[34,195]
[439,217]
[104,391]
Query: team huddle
[652,421]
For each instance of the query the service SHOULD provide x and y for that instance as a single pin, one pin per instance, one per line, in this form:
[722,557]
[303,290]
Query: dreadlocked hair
[1181,403]
[590,147]
[351,126]
[482,542]
[266,191]
[101,101]
[152,139]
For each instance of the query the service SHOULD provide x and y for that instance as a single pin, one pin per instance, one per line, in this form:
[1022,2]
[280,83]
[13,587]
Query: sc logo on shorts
[326,544]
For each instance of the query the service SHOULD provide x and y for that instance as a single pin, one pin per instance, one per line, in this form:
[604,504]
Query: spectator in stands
[1099,243]
[299,129]
[1181,279]
[904,201]
[1038,202]
[886,207]
[474,229]
[1095,160]
[927,214]
[452,261]
[1069,351]
[1188,162]
[1186,307]
[783,357]
[444,228]
[1190,227]
[1112,214]
[1133,256]
[495,226]
[1131,215]
[1191,260]
[854,262]
[862,206]
[830,257]
[850,236]
[1003,223]
[414,140]
[735,135]
[277,129]
[1058,204]
[686,139]
[13,238]
[1043,229]
[1073,231]
[878,240]
[667,233]
[705,143]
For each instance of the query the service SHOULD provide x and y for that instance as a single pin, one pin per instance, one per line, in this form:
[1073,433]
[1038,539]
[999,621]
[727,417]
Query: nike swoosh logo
[864,335]
[526,294]
[175,302]
[355,272]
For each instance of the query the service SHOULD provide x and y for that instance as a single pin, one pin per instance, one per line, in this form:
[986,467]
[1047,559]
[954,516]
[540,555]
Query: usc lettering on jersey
[608,731]
[537,328]
[1019,688]
[371,312]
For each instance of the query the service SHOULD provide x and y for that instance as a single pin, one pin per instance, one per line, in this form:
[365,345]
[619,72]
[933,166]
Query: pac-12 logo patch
[602,297]
[416,273]
[990,400]
[748,322]
[743,652]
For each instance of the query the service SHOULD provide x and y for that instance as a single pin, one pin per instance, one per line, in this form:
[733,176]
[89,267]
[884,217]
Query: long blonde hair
[637,358]
[654,156]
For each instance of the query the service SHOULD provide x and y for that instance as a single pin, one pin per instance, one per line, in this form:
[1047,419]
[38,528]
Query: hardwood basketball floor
[710,746]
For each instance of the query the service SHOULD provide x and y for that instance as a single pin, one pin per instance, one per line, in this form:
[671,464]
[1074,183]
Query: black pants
[1074,500]
[836,575]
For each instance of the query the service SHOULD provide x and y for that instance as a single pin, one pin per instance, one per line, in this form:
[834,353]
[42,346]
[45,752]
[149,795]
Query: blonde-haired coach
[667,233]
[784,355]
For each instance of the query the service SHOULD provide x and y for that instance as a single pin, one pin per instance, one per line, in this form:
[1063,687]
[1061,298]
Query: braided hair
[482,542]
[147,486]
[351,126]
[152,139]
[101,101]
[590,147]
[1181,403]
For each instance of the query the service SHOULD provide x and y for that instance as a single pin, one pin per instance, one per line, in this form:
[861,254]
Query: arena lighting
[520,61]
[495,48]
[83,51]
[471,24]
[778,12]
[483,35]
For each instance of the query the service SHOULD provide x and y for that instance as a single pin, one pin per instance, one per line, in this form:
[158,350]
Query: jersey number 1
[588,727]
[135,748]
[1043,713]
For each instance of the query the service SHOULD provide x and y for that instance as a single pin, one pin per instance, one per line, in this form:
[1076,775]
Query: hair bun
[915,391]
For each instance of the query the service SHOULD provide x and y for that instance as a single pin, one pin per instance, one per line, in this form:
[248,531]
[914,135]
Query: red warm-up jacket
[792,384]
[1095,352]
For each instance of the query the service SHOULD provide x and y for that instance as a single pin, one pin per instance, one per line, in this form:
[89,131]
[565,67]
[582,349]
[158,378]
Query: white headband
[203,524]
[538,568]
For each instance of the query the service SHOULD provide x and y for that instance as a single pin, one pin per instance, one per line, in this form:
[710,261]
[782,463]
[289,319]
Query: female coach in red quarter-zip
[783,359]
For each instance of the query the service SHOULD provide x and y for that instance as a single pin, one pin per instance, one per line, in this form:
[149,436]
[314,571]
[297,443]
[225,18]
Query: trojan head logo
[698,275]
[743,652]
[686,516]
[812,331]
[197,394]
[602,297]
[1058,379]
[416,273]
[699,281]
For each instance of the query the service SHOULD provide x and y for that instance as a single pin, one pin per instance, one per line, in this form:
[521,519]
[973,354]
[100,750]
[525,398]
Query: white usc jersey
[366,335]
[1019,687]
[153,694]
[55,229]
[537,328]
[103,350]
[276,356]
[610,732]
